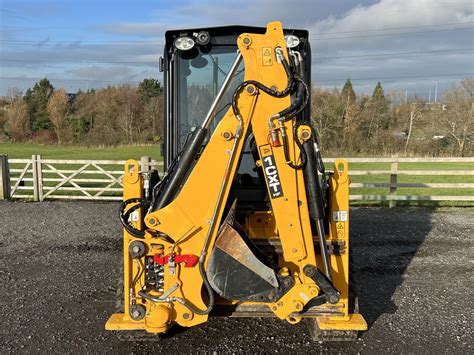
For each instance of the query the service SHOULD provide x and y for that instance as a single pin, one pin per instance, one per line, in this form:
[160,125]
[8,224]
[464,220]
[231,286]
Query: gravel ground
[60,264]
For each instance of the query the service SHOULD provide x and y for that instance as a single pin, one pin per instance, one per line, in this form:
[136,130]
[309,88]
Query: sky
[408,45]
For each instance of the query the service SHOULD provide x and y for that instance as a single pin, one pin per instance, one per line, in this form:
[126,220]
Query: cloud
[27,10]
[141,29]
[398,14]
[347,38]
[224,12]
[390,26]
[100,72]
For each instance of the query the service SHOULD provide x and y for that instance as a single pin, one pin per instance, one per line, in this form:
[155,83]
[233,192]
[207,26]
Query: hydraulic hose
[287,153]
[266,89]
[172,299]
[124,216]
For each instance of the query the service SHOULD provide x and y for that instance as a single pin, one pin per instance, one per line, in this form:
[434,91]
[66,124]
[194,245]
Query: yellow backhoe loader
[245,221]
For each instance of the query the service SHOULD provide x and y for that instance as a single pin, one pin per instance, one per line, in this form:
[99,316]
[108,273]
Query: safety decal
[340,230]
[339,216]
[267,56]
[271,171]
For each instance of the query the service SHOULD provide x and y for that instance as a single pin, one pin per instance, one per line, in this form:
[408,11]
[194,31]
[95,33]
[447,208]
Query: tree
[348,95]
[150,94]
[378,93]
[377,115]
[153,114]
[457,118]
[468,85]
[17,116]
[327,110]
[82,115]
[58,110]
[130,112]
[37,101]
[415,113]
[148,89]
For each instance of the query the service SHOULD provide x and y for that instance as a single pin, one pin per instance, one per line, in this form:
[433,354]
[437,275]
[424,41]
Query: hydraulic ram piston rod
[220,94]
[194,145]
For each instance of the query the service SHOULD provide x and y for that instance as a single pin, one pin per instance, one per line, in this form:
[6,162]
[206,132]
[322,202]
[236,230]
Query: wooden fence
[39,179]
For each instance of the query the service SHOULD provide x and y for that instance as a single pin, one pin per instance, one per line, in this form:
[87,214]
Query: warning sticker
[340,230]
[134,216]
[267,56]
[339,216]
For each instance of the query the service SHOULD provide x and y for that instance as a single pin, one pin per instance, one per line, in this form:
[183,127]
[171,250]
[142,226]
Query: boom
[191,249]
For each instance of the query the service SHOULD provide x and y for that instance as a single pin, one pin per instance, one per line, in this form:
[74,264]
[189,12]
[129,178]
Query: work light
[292,41]
[184,43]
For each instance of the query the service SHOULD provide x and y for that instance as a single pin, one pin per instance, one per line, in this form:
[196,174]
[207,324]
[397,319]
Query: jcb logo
[271,173]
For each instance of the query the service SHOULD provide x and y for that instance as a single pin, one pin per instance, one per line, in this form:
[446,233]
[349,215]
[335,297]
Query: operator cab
[195,64]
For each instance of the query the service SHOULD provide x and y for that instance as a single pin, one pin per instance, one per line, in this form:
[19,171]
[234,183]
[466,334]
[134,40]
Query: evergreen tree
[148,89]
[380,107]
[378,94]
[348,95]
[37,101]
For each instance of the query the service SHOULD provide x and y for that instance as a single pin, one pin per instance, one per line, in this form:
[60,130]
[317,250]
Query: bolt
[186,315]
[334,299]
[305,135]
[280,304]
[135,249]
[274,308]
[136,314]
[308,271]
[284,271]
[226,135]
[152,221]
[273,88]
[250,89]
[294,250]
[291,225]
[246,41]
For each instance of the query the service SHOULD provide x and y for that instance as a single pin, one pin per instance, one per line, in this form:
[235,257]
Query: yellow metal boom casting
[184,232]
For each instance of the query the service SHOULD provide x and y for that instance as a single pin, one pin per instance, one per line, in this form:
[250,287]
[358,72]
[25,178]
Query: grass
[25,151]
[412,191]
[20,151]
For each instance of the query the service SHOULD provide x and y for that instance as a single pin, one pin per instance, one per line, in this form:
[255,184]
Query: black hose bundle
[265,89]
[125,213]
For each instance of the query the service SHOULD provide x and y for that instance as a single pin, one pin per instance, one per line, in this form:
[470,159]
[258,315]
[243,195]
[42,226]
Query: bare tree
[457,116]
[153,114]
[58,110]
[326,111]
[17,116]
[130,111]
[415,113]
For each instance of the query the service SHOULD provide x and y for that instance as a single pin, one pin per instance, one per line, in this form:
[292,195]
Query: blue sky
[406,44]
